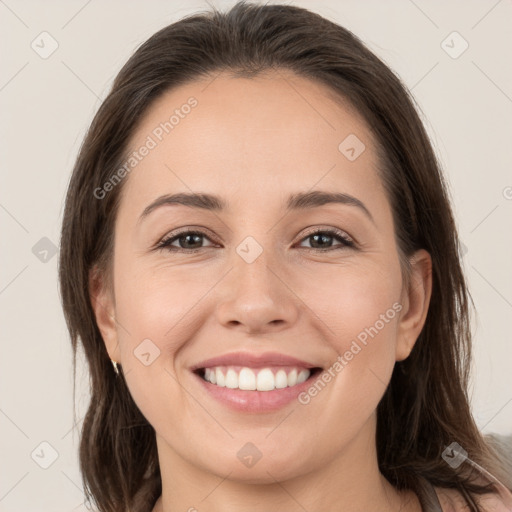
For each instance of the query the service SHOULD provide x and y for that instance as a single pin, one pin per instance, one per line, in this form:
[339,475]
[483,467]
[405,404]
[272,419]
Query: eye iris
[322,238]
[197,238]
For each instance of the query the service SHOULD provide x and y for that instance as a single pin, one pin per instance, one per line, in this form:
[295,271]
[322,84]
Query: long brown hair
[425,407]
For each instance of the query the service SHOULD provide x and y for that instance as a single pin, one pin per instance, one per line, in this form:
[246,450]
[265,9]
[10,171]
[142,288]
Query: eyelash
[346,241]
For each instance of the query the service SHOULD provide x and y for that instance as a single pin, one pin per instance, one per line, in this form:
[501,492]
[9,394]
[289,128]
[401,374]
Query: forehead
[247,137]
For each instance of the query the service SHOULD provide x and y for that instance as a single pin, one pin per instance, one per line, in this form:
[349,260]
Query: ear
[103,305]
[415,302]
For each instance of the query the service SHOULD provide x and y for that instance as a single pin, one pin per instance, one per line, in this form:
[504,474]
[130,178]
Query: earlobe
[416,300]
[104,311]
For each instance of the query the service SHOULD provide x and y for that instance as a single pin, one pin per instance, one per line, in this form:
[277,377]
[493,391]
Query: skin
[291,299]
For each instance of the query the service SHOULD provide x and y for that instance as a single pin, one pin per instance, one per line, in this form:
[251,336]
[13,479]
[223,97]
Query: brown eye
[189,241]
[321,240]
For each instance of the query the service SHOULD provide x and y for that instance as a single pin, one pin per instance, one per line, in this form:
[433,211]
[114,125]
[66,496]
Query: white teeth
[219,377]
[247,379]
[281,379]
[231,379]
[303,375]
[251,380]
[266,381]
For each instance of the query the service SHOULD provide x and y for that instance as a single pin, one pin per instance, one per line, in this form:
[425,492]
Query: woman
[310,348]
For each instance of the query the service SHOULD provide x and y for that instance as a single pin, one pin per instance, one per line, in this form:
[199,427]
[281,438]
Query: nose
[256,299]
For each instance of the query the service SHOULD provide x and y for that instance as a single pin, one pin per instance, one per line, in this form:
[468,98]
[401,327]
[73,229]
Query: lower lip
[255,401]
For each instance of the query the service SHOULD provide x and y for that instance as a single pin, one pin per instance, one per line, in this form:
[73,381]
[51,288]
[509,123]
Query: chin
[266,470]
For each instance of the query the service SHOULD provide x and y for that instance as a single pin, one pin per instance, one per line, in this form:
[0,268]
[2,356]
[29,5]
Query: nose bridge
[255,267]
[255,294]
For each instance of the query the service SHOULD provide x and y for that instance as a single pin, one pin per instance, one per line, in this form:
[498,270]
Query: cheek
[351,299]
[155,318]
[159,303]
[154,322]
[358,312]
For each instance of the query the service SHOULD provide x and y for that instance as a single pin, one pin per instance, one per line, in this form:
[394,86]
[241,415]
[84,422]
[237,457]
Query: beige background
[47,105]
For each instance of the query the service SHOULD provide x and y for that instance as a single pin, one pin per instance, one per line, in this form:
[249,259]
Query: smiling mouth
[257,379]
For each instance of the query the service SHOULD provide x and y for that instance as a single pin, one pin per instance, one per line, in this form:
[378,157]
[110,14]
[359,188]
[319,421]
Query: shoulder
[452,501]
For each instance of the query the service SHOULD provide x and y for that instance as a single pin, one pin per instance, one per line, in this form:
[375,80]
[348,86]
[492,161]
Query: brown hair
[425,407]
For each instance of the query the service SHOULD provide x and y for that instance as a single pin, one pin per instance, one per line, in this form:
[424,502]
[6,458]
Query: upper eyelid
[201,231]
[335,231]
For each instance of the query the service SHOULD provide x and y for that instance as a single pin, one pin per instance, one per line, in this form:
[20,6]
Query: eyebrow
[298,201]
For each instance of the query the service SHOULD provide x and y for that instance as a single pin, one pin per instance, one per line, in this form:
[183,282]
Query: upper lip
[251,360]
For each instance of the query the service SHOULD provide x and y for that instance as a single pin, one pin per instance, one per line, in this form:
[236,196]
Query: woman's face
[257,280]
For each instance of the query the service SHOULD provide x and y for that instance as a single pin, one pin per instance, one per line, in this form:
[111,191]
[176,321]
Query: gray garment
[503,444]
[428,497]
